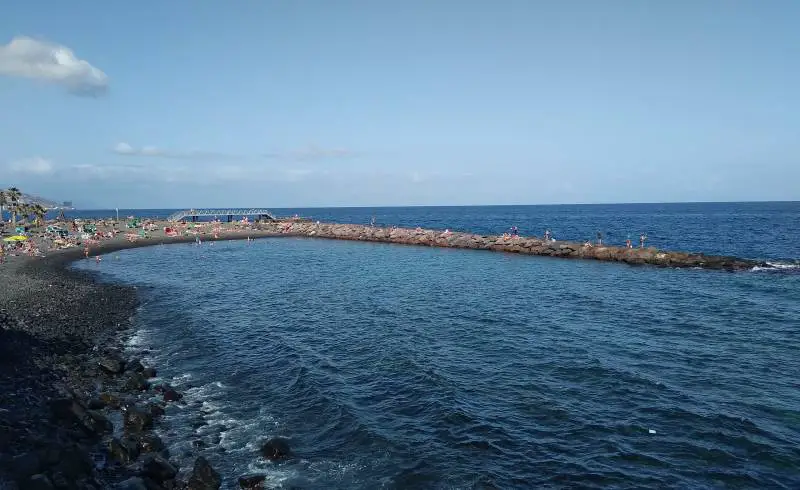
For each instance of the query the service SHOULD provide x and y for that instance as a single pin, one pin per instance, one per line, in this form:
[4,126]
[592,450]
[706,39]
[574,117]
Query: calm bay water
[410,367]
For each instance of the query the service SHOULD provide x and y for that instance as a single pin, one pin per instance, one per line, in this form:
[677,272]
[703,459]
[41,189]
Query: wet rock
[137,382]
[111,365]
[98,422]
[96,404]
[158,468]
[75,464]
[156,410]
[61,409]
[203,476]
[275,449]
[149,372]
[124,451]
[25,466]
[150,443]
[175,484]
[134,365]
[39,482]
[198,444]
[137,420]
[134,483]
[252,481]
[111,399]
[171,395]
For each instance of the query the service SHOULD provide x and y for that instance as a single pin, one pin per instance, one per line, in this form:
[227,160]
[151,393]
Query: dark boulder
[26,465]
[158,468]
[97,422]
[275,449]
[134,483]
[150,443]
[134,365]
[75,464]
[203,476]
[149,372]
[137,382]
[137,420]
[111,365]
[171,395]
[124,451]
[111,399]
[252,482]
[39,482]
[156,409]
[96,404]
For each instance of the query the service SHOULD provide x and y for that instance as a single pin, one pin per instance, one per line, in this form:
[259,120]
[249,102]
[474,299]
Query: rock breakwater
[514,244]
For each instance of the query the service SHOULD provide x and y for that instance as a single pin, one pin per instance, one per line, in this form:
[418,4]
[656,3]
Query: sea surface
[391,366]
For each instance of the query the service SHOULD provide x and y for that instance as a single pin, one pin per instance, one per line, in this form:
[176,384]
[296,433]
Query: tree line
[11,200]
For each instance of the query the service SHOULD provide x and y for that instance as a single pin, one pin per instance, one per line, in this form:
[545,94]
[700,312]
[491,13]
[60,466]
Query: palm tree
[24,212]
[3,202]
[13,195]
[39,211]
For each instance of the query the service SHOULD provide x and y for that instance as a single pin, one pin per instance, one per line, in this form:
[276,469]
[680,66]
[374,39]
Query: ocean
[391,366]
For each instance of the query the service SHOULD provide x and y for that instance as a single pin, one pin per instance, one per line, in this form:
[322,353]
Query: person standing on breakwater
[628,242]
[514,231]
[599,239]
[547,235]
[642,239]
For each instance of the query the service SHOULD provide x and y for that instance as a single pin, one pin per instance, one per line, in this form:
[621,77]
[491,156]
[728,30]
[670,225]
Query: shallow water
[392,366]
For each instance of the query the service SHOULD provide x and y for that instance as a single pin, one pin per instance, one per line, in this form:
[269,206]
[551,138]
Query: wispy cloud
[34,59]
[312,152]
[152,151]
[304,154]
[32,166]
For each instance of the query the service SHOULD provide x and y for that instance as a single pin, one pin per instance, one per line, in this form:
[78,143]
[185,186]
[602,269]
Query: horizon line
[447,205]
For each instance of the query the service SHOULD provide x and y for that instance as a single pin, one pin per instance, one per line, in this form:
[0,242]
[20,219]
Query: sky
[303,103]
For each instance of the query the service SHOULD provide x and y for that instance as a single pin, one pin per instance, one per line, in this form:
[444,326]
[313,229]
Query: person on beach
[628,243]
[599,239]
[547,235]
[514,231]
[86,251]
[2,253]
[642,239]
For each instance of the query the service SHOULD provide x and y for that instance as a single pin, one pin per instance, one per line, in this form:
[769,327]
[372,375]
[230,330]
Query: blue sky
[331,103]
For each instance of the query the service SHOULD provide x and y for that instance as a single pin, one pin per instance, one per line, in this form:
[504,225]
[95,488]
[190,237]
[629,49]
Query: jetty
[260,213]
[511,244]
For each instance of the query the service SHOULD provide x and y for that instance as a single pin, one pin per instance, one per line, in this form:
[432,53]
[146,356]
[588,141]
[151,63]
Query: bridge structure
[229,213]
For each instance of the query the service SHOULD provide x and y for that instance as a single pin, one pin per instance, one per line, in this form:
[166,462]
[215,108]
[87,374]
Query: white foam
[776,266]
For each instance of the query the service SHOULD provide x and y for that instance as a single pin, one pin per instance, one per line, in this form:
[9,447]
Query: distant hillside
[31,199]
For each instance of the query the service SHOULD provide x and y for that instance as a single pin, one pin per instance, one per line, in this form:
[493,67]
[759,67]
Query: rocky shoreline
[75,414]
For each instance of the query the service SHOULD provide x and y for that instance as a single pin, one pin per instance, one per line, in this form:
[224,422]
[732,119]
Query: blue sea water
[392,366]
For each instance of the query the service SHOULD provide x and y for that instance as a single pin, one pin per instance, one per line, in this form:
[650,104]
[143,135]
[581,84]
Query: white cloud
[30,58]
[32,166]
